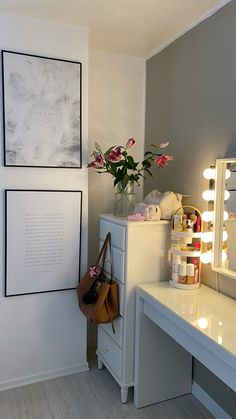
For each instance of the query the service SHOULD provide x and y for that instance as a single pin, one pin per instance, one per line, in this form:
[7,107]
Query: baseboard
[210,404]
[48,375]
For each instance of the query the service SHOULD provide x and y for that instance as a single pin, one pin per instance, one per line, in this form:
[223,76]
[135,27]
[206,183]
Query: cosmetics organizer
[185,251]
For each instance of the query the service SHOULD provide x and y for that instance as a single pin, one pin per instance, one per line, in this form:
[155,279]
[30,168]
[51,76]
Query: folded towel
[149,212]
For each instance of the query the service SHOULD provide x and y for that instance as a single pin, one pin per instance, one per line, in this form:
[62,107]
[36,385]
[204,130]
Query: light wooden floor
[90,395]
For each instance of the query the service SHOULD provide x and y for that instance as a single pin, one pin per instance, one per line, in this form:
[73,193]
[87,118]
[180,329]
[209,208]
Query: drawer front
[111,353]
[118,336]
[117,233]
[118,259]
[121,299]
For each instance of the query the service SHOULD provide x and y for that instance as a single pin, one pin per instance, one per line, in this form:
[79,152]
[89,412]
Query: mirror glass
[230,224]
[224,251]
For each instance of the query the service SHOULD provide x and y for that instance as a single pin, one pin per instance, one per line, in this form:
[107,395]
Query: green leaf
[148,171]
[146,164]
[131,163]
[116,181]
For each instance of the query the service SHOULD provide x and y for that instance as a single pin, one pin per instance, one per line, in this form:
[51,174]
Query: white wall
[116,113]
[43,335]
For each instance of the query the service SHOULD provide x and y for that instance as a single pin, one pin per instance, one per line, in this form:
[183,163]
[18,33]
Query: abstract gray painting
[42,111]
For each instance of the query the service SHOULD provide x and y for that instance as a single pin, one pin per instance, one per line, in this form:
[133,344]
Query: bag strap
[111,262]
[102,254]
[109,314]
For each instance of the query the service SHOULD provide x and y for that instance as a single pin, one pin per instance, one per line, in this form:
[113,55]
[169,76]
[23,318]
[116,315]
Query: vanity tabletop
[208,311]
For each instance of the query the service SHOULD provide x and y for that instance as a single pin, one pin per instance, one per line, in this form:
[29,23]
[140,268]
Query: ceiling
[131,27]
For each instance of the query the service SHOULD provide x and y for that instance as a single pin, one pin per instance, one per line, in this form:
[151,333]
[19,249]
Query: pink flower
[115,155]
[94,271]
[168,157]
[164,145]
[98,162]
[130,143]
[161,161]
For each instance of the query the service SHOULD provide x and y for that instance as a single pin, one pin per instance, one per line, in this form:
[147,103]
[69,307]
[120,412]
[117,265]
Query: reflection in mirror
[230,224]
[224,252]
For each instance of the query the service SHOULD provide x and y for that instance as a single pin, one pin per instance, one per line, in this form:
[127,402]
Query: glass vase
[125,200]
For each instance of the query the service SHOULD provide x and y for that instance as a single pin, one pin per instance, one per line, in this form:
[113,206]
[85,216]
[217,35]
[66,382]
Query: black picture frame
[7,291]
[42,127]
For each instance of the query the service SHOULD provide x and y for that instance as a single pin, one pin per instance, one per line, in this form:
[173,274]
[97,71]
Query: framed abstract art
[41,111]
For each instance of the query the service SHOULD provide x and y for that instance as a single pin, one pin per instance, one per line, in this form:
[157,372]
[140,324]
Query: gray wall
[191,100]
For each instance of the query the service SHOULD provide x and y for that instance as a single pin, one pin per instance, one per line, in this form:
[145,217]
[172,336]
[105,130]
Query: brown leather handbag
[98,295]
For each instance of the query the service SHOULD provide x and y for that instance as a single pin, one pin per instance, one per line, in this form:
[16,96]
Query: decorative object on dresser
[121,166]
[185,249]
[41,111]
[149,212]
[98,294]
[169,202]
[139,254]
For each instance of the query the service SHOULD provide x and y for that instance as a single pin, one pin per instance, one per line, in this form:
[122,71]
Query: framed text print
[41,111]
[43,241]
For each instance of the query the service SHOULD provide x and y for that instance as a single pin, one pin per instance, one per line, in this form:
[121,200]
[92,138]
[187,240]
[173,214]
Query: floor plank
[90,395]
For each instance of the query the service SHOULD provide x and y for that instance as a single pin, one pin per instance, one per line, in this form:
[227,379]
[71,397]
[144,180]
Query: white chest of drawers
[140,254]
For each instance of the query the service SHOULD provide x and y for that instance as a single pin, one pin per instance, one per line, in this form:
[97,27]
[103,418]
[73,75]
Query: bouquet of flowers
[121,165]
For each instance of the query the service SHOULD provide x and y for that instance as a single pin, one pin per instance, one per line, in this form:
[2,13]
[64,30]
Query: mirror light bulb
[208,195]
[226,216]
[206,257]
[207,237]
[227,174]
[209,173]
[227,195]
[207,216]
[225,236]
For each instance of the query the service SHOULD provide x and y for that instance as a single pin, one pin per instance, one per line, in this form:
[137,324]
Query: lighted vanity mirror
[224,249]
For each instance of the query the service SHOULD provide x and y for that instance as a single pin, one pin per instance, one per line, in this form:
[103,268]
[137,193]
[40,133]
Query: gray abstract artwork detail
[42,111]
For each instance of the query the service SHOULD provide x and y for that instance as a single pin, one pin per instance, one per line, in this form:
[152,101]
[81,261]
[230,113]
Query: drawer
[118,258]
[117,233]
[118,336]
[110,352]
[121,299]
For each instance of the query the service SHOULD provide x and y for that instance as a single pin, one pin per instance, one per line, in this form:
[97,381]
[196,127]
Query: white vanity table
[172,326]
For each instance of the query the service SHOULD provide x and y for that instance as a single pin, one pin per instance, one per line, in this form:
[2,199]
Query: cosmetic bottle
[190,273]
[177,222]
[195,262]
[197,225]
[197,246]
[182,273]
[176,261]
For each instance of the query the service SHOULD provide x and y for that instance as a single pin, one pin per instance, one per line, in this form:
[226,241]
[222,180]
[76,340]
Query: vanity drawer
[118,336]
[117,233]
[118,259]
[110,352]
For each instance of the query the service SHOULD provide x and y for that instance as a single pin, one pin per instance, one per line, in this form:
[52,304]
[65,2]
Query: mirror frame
[221,165]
